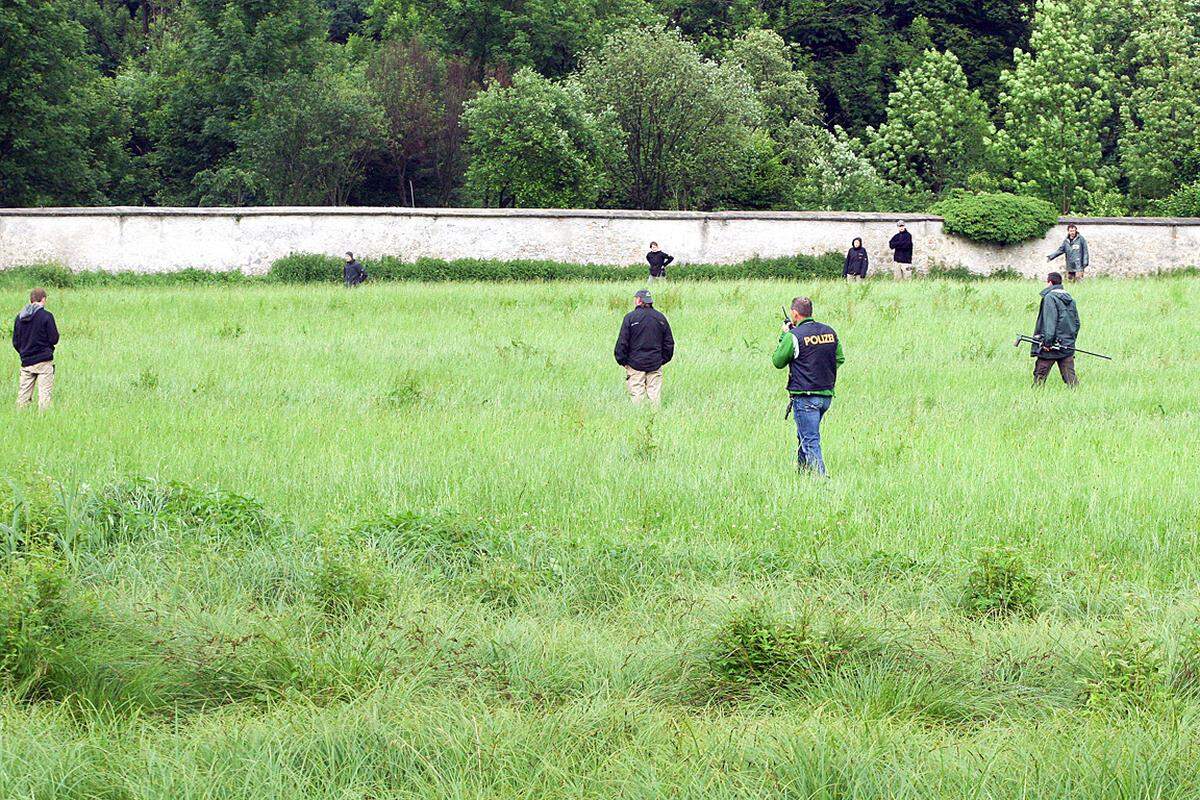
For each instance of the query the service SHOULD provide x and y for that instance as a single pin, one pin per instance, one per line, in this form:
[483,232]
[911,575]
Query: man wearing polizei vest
[812,352]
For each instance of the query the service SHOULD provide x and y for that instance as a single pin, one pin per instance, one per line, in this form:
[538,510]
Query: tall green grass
[412,541]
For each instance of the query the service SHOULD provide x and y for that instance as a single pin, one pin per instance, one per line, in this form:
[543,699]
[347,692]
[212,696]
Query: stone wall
[249,239]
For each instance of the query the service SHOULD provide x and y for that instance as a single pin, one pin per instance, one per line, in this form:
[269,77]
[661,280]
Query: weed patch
[32,604]
[349,579]
[755,651]
[1128,673]
[135,508]
[447,540]
[999,585]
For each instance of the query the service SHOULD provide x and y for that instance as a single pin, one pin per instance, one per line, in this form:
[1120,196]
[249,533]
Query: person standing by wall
[902,248]
[812,352]
[644,345]
[856,261]
[658,261]
[34,337]
[353,273]
[1075,248]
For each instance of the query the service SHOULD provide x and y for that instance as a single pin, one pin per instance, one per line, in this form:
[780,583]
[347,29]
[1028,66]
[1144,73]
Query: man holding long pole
[1056,329]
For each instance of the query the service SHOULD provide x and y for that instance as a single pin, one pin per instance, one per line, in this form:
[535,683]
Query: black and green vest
[814,358]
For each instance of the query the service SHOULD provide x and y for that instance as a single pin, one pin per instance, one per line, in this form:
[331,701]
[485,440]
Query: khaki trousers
[901,272]
[643,385]
[39,375]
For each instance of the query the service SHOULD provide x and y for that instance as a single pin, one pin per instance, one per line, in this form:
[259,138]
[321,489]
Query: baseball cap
[644,295]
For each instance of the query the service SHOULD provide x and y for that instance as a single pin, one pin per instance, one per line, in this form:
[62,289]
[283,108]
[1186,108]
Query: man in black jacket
[353,273]
[902,247]
[643,346]
[34,336]
[1056,328]
[658,261]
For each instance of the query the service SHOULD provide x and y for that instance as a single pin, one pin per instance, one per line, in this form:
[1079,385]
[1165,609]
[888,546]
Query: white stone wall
[249,239]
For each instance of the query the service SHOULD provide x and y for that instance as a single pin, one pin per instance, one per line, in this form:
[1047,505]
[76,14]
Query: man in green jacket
[1056,329]
[812,352]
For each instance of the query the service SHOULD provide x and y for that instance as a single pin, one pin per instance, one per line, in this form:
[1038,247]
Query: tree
[833,175]
[534,144]
[61,125]
[1159,145]
[213,57]
[785,93]
[308,137]
[937,131]
[678,115]
[1055,102]
[422,94]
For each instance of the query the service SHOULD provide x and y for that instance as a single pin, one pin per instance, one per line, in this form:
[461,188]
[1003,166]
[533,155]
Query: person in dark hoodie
[902,247]
[644,344]
[1056,328]
[658,261]
[34,337]
[856,261]
[353,273]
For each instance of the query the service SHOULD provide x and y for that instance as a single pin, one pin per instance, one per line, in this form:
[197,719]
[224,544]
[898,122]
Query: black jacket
[1057,324]
[645,342]
[901,243]
[34,335]
[856,262]
[353,273]
[658,261]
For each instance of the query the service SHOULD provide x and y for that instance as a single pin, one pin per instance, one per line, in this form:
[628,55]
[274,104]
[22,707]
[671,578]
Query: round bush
[999,217]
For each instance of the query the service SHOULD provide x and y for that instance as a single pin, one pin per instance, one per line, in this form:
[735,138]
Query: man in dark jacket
[658,261]
[353,273]
[902,246]
[34,337]
[1056,328]
[812,353]
[643,346]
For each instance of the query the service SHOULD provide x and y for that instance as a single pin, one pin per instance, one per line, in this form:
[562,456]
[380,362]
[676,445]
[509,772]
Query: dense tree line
[761,104]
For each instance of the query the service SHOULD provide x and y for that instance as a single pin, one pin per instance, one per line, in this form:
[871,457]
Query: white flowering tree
[937,132]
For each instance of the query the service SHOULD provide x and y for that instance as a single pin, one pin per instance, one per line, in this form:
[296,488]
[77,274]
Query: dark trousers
[1066,368]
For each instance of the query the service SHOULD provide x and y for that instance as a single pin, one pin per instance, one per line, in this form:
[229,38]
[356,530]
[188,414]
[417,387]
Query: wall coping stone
[495,213]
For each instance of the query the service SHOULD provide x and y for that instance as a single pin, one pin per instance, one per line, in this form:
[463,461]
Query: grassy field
[412,541]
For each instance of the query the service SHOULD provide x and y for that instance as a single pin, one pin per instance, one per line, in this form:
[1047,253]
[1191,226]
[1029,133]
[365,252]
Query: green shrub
[303,268]
[349,579]
[753,650]
[32,514]
[1183,202]
[306,268]
[998,217]
[58,276]
[32,601]
[968,276]
[1127,672]
[999,585]
[131,509]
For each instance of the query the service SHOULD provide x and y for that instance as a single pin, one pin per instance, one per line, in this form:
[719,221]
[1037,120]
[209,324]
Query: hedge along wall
[250,239]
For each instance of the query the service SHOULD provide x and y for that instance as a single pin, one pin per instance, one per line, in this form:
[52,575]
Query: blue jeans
[808,409]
